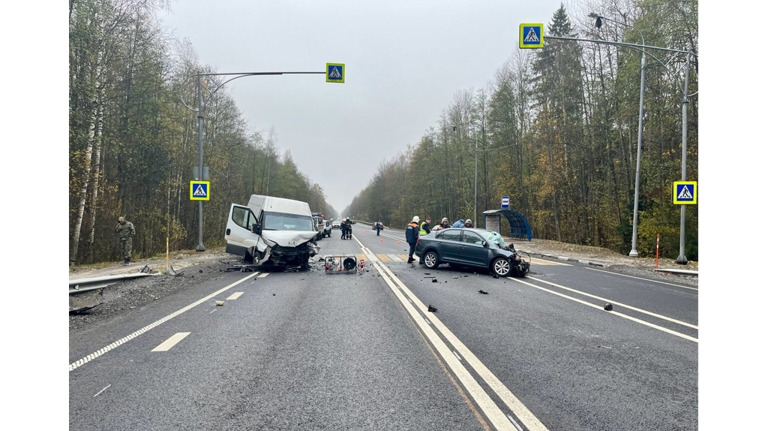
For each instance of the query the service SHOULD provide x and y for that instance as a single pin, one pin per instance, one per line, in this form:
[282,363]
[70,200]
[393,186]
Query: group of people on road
[346,228]
[418,228]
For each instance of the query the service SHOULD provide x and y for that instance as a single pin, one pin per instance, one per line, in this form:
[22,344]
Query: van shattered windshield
[282,221]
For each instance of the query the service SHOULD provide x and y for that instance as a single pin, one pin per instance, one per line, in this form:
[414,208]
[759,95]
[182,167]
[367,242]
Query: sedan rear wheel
[430,259]
[501,267]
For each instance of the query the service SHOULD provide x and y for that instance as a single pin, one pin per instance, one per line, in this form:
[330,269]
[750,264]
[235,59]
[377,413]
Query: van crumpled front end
[291,256]
[272,231]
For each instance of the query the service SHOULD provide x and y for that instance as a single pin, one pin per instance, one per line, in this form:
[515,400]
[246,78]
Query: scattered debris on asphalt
[608,306]
[431,309]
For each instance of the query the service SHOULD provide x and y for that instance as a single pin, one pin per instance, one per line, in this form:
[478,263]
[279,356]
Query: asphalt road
[308,350]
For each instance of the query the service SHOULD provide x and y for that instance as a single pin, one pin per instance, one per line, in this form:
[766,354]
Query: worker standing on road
[349,228]
[411,236]
[468,223]
[378,227]
[424,227]
[126,231]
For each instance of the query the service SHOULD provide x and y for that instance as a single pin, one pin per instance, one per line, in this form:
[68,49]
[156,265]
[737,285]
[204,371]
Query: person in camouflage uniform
[126,231]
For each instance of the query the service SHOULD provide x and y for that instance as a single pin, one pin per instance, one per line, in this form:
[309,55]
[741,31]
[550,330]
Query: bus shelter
[519,227]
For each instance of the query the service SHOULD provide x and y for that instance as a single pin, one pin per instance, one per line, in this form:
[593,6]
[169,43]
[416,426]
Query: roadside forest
[556,130]
[133,143]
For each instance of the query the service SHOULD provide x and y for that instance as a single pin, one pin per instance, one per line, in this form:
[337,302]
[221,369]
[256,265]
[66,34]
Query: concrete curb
[568,259]
[677,271]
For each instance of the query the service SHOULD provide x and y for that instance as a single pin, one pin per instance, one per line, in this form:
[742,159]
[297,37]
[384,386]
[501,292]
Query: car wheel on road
[431,260]
[501,266]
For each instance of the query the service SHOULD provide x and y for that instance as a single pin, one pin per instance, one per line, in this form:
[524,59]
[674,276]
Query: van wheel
[248,258]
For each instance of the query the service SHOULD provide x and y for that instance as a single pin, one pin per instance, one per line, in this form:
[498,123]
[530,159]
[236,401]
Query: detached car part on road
[272,231]
[340,264]
[478,248]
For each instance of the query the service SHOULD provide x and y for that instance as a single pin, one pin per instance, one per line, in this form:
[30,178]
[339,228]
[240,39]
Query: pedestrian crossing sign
[531,36]
[334,72]
[199,190]
[684,192]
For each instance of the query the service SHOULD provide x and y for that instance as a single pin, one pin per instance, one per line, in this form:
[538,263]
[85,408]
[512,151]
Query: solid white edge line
[659,316]
[511,401]
[481,398]
[82,361]
[645,279]
[612,313]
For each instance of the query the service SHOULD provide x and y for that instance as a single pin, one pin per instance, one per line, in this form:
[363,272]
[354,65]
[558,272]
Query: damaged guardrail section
[86,293]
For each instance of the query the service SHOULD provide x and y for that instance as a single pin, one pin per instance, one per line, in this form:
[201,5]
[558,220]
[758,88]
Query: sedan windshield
[282,221]
[493,237]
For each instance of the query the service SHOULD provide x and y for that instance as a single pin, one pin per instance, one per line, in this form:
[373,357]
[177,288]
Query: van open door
[240,238]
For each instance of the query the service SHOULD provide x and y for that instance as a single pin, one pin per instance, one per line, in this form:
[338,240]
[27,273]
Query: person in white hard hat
[412,236]
[468,223]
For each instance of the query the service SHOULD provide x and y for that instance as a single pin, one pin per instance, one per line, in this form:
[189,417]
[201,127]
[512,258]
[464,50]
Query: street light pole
[681,259]
[475,224]
[633,252]
[598,23]
[200,175]
[200,246]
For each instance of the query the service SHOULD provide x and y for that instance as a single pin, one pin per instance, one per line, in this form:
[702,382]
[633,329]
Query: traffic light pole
[681,259]
[200,104]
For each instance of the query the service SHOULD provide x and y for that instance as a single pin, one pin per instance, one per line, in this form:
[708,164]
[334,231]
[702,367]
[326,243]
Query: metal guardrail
[86,293]
[86,284]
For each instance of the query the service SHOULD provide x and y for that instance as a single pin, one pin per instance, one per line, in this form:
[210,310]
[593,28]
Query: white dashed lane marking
[169,343]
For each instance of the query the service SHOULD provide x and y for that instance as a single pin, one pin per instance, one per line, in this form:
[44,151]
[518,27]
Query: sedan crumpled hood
[288,238]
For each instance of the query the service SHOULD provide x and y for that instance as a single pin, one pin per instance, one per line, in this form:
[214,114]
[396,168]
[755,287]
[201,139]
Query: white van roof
[259,203]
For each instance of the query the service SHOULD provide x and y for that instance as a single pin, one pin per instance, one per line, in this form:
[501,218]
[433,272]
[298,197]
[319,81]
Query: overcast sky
[404,60]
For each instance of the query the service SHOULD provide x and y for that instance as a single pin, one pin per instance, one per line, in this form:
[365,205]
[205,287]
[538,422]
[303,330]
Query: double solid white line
[428,326]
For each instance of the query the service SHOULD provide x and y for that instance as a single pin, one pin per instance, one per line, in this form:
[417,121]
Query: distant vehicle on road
[327,228]
[319,225]
[336,224]
[478,248]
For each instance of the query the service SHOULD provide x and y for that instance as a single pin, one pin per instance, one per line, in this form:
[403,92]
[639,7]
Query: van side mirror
[256,228]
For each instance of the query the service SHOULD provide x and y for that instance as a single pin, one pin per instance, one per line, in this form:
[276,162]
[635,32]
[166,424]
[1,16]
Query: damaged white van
[272,231]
